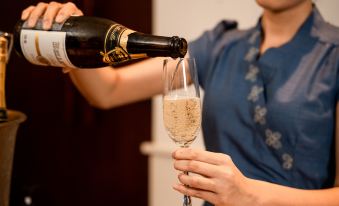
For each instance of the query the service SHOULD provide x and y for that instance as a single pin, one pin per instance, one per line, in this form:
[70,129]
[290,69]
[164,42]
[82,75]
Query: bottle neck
[156,45]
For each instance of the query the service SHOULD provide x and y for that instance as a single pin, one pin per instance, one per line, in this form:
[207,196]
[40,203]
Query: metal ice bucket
[8,131]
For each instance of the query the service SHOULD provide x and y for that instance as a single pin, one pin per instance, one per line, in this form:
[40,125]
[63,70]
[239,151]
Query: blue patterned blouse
[273,113]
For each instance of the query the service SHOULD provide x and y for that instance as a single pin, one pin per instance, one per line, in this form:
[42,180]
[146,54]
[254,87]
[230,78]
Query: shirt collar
[322,30]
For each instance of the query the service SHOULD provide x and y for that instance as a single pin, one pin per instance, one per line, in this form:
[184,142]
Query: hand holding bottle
[49,12]
[85,41]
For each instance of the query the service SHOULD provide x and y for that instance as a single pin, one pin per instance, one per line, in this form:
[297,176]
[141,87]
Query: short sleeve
[202,49]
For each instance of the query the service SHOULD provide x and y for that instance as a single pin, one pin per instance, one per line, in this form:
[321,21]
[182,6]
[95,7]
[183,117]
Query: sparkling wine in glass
[181,103]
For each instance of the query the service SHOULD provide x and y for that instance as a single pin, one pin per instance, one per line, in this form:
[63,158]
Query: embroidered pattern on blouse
[251,54]
[273,139]
[254,94]
[260,115]
[287,161]
[253,37]
[252,73]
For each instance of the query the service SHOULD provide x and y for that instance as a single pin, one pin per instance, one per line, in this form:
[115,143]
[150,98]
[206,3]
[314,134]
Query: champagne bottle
[3,62]
[91,42]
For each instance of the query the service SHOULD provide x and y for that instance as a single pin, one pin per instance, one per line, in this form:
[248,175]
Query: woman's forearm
[107,87]
[269,194]
[95,84]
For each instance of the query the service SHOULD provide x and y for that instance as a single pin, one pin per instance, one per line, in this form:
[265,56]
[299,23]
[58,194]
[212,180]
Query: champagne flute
[181,103]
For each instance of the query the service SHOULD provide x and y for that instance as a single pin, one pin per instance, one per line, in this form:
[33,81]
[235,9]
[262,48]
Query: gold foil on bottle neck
[118,54]
[124,39]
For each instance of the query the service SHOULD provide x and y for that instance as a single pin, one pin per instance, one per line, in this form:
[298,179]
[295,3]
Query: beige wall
[189,18]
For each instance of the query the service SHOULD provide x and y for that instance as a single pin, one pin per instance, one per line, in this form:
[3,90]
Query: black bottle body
[91,42]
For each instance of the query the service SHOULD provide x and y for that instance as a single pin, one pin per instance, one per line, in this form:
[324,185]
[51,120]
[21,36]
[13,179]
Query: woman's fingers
[197,167]
[202,156]
[50,13]
[202,194]
[66,11]
[36,13]
[198,182]
[26,12]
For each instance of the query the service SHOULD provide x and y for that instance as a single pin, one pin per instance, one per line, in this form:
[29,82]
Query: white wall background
[188,19]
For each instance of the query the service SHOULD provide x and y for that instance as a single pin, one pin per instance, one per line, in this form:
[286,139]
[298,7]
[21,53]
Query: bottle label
[46,48]
[115,47]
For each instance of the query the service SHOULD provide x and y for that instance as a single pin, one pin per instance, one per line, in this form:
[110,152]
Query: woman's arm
[221,183]
[104,87]
[108,87]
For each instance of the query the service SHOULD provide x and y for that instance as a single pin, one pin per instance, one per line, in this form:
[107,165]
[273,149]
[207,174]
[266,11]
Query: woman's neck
[280,27]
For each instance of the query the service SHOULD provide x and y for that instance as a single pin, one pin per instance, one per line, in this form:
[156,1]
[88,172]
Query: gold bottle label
[115,46]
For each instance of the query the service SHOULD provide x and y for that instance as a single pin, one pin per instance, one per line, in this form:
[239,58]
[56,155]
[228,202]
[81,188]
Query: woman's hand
[219,181]
[50,12]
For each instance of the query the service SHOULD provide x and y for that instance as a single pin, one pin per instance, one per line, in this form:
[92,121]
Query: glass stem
[187,199]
